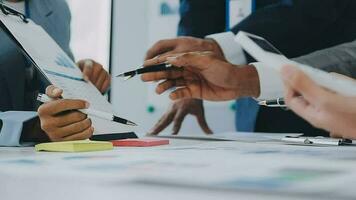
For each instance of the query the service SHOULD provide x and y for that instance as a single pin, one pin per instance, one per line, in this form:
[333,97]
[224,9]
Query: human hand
[321,107]
[176,113]
[204,76]
[61,120]
[95,73]
[182,45]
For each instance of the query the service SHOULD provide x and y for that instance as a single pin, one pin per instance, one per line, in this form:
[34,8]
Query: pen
[103,115]
[317,141]
[148,69]
[273,103]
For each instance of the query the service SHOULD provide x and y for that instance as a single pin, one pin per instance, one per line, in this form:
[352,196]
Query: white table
[160,172]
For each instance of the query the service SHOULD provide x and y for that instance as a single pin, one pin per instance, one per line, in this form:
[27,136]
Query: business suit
[296,28]
[340,59]
[17,92]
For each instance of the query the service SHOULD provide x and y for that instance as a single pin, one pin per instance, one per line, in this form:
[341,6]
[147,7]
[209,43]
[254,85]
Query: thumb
[54,92]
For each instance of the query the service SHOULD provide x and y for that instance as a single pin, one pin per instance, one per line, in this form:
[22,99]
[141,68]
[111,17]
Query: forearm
[32,132]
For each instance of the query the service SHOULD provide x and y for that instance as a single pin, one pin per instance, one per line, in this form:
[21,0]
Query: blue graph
[64,61]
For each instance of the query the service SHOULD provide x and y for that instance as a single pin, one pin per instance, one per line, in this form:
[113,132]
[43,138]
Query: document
[59,69]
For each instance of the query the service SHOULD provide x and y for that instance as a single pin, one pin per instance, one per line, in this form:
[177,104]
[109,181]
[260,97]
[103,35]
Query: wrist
[247,81]
[213,46]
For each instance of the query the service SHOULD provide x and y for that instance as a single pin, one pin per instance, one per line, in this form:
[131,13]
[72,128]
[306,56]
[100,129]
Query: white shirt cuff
[271,85]
[232,50]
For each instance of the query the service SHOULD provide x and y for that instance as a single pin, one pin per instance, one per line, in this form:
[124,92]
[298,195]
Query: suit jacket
[296,27]
[340,59]
[54,16]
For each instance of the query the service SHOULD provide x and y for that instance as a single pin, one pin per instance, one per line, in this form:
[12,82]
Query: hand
[60,120]
[322,108]
[182,45]
[95,73]
[176,114]
[204,76]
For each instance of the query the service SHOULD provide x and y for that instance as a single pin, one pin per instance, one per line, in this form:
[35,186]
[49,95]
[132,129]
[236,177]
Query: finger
[181,93]
[97,70]
[168,84]
[106,84]
[314,94]
[54,92]
[68,118]
[101,79]
[72,128]
[198,60]
[58,106]
[178,120]
[161,47]
[156,76]
[203,124]
[88,69]
[165,120]
[302,84]
[308,112]
[161,58]
[81,136]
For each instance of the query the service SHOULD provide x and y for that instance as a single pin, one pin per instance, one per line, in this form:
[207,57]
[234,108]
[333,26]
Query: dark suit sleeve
[201,17]
[297,28]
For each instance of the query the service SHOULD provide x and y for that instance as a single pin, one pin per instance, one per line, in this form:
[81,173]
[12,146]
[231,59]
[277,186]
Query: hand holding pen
[62,120]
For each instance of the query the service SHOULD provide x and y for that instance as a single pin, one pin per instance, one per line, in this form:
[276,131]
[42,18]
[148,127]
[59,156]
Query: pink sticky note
[140,142]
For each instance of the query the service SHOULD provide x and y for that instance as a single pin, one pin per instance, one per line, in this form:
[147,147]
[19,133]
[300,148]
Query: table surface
[185,169]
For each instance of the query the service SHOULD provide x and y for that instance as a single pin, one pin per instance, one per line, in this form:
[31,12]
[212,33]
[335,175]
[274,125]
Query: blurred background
[119,32]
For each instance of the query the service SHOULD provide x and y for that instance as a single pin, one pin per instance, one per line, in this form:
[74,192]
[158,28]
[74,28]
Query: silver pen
[274,103]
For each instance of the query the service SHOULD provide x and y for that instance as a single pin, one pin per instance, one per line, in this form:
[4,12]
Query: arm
[17,127]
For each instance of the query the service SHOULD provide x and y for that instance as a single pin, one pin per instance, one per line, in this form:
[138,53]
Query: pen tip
[120,75]
[131,123]
[128,77]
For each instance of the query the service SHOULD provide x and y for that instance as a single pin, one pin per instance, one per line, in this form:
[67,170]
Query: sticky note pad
[74,146]
[140,142]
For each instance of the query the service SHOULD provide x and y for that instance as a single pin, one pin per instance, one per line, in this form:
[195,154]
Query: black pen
[148,69]
[273,103]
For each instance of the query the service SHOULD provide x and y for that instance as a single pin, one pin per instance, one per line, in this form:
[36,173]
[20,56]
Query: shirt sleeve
[233,51]
[271,85]
[12,127]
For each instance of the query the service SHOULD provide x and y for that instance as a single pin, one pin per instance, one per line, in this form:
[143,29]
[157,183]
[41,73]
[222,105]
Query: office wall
[137,25]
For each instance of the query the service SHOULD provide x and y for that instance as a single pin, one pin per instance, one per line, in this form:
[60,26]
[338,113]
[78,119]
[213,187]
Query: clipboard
[64,74]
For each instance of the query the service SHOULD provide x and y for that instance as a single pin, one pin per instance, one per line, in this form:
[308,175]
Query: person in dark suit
[296,27]
[20,82]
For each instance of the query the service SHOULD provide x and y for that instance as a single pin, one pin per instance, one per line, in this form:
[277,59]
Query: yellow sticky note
[74,146]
